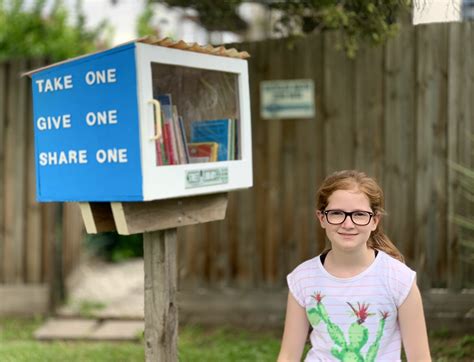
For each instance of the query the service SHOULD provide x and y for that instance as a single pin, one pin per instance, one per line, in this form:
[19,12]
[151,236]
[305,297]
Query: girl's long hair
[350,180]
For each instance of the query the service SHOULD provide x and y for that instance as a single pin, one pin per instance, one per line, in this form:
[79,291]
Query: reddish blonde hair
[350,180]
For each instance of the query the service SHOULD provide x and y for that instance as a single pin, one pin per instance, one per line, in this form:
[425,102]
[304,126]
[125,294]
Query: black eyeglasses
[359,218]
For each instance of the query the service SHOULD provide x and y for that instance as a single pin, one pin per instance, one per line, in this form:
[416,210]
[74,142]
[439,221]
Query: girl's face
[348,236]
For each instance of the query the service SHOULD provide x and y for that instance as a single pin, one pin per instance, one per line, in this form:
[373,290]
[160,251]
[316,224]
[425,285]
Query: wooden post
[158,221]
[161,309]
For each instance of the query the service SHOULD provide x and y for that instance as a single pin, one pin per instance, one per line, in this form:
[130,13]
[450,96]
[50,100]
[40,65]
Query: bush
[31,32]
[114,247]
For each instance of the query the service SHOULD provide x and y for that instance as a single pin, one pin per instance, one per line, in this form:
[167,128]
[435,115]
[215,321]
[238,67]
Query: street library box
[119,125]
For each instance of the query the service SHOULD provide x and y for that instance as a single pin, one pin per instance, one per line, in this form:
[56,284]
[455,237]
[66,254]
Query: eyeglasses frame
[371,215]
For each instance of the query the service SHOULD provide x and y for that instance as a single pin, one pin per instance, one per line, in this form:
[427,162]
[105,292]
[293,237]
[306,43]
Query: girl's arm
[413,327]
[295,332]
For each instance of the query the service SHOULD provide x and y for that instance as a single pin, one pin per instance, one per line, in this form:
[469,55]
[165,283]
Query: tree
[32,32]
[359,20]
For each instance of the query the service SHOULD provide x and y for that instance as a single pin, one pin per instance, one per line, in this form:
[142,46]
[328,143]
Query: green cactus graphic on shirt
[358,334]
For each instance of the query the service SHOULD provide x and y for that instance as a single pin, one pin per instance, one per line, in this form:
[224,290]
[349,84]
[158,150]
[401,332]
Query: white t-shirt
[353,319]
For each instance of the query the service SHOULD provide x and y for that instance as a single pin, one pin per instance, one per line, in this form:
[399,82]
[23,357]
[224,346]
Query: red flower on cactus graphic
[318,297]
[384,315]
[362,312]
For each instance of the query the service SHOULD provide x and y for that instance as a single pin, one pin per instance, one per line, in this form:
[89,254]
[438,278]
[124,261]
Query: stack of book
[210,140]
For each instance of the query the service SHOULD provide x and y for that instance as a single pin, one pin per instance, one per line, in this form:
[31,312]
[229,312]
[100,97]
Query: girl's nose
[348,223]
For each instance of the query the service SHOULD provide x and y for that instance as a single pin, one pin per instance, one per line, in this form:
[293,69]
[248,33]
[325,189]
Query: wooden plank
[439,220]
[430,64]
[19,115]
[33,244]
[24,300]
[368,114]
[138,217]
[10,263]
[465,154]
[3,99]
[457,96]
[73,233]
[246,255]
[192,253]
[97,217]
[228,262]
[426,88]
[339,106]
[161,307]
[273,164]
[399,140]
[316,143]
[47,240]
[252,213]
[308,139]
[287,249]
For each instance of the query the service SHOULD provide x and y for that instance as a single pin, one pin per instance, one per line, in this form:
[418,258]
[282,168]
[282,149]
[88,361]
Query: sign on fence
[287,99]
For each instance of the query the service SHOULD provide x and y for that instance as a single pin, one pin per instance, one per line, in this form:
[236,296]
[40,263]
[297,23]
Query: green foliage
[454,349]
[114,247]
[359,21]
[32,32]
[144,22]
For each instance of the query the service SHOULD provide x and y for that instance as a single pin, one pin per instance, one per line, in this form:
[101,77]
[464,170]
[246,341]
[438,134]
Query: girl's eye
[360,214]
[337,213]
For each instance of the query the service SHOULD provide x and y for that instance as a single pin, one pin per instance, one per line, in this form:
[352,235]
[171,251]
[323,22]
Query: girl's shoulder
[310,265]
[397,276]
[389,263]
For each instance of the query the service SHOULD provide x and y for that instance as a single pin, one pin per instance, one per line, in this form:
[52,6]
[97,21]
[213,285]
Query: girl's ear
[376,220]
[320,217]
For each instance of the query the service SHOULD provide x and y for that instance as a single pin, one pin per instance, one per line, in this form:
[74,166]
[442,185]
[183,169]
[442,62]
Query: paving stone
[119,331]
[66,329]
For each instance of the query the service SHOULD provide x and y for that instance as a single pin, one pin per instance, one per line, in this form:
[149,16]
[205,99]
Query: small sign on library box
[287,99]
[96,120]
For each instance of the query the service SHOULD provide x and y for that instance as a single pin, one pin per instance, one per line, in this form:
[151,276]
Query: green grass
[17,344]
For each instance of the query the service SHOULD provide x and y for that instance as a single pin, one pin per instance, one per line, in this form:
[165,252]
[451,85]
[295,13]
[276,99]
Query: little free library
[146,120]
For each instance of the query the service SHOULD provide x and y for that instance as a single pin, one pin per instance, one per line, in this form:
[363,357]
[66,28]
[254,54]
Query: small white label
[208,177]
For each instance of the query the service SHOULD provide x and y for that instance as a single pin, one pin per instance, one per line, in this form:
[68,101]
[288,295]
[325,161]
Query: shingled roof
[167,43]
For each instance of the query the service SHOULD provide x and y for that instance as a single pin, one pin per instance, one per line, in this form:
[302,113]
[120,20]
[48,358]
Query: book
[181,153]
[232,140]
[217,130]
[203,152]
[159,146]
[169,137]
[237,140]
[183,135]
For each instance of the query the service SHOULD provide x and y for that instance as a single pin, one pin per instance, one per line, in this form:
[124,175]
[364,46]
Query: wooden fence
[398,112]
[38,242]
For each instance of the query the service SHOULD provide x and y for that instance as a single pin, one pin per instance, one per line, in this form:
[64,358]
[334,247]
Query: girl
[359,297]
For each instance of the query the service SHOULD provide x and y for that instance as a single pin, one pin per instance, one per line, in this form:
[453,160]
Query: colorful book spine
[183,135]
[159,147]
[168,128]
[179,138]
[219,131]
[203,152]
